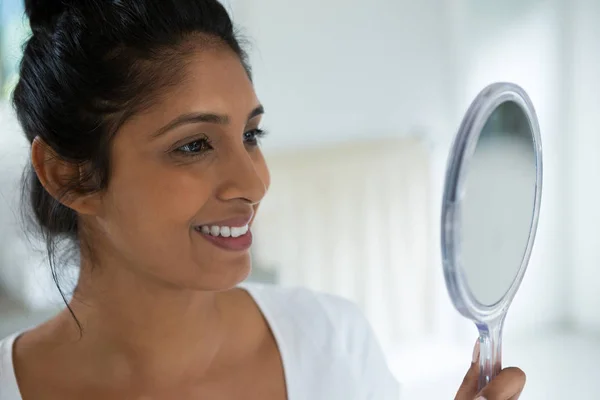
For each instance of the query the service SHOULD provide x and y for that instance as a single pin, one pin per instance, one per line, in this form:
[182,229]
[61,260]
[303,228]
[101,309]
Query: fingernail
[481,398]
[476,357]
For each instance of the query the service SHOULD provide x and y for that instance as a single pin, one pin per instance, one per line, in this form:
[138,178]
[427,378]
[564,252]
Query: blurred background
[363,100]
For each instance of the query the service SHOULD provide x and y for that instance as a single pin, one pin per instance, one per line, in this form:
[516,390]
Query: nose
[245,176]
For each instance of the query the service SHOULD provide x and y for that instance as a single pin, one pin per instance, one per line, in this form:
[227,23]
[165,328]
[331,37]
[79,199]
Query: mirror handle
[490,356]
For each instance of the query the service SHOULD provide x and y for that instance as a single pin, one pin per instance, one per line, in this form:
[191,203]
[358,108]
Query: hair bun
[44,13]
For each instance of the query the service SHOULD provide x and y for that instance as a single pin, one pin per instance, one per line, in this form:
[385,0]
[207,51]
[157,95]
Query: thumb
[470,384]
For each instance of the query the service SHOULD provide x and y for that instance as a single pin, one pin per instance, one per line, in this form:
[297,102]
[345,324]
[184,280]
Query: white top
[327,346]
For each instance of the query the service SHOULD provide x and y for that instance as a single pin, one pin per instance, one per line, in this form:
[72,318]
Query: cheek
[159,198]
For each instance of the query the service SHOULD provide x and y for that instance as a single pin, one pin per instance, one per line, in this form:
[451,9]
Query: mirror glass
[497,204]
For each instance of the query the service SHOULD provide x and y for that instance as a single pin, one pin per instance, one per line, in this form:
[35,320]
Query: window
[14,29]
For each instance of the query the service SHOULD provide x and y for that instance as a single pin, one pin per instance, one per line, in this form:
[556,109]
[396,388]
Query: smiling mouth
[232,238]
[224,231]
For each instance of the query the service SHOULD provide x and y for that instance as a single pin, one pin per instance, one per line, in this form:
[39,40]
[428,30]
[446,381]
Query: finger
[517,396]
[508,385]
[469,385]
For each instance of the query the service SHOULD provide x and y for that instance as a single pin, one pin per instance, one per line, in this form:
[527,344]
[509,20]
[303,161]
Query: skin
[161,316]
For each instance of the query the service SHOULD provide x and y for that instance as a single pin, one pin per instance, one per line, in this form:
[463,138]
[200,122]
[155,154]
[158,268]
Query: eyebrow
[194,118]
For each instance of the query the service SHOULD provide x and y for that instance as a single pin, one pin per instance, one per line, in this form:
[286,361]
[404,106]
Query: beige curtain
[355,220]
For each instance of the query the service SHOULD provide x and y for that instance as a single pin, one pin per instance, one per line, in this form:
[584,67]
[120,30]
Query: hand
[508,385]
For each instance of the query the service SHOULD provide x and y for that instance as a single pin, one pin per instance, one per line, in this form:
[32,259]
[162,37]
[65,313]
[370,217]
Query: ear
[57,175]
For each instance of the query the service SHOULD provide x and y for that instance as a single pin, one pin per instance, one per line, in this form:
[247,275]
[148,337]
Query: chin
[223,277]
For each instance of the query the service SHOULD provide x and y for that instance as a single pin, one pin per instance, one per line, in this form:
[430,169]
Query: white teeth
[224,231]
[237,232]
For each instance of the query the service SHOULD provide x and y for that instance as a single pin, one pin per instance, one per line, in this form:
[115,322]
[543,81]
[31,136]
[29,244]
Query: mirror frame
[457,168]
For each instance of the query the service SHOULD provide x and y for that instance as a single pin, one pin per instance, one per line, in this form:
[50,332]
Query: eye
[194,148]
[252,137]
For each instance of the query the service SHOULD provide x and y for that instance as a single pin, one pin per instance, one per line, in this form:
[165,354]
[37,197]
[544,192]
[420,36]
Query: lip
[240,243]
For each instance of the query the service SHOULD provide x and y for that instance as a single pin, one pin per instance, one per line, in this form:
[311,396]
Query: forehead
[213,80]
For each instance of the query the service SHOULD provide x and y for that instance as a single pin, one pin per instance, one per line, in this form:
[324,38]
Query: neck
[139,327]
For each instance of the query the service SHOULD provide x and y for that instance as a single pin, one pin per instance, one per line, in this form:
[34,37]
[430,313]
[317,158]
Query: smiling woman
[144,129]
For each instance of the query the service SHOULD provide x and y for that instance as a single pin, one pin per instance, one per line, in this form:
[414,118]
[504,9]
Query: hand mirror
[490,211]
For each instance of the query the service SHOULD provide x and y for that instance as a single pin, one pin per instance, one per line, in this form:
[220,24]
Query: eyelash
[257,135]
[251,138]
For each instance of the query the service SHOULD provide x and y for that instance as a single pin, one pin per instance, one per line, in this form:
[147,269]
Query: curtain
[355,221]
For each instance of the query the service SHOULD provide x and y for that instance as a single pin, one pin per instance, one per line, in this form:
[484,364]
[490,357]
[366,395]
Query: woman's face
[186,180]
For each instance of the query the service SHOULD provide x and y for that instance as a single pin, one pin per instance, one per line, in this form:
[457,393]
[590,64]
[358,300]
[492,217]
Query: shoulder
[8,383]
[331,330]
[334,314]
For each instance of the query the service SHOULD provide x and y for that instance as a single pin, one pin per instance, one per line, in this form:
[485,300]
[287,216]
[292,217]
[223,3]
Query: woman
[144,129]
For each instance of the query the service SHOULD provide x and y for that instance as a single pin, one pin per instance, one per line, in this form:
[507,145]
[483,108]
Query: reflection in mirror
[498,204]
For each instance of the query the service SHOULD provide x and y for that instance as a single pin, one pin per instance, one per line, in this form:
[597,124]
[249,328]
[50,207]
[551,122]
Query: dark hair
[88,66]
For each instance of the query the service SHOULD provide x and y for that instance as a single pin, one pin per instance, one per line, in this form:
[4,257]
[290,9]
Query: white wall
[12,155]
[23,274]
[583,143]
[352,70]
[340,70]
[346,70]
[516,43]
